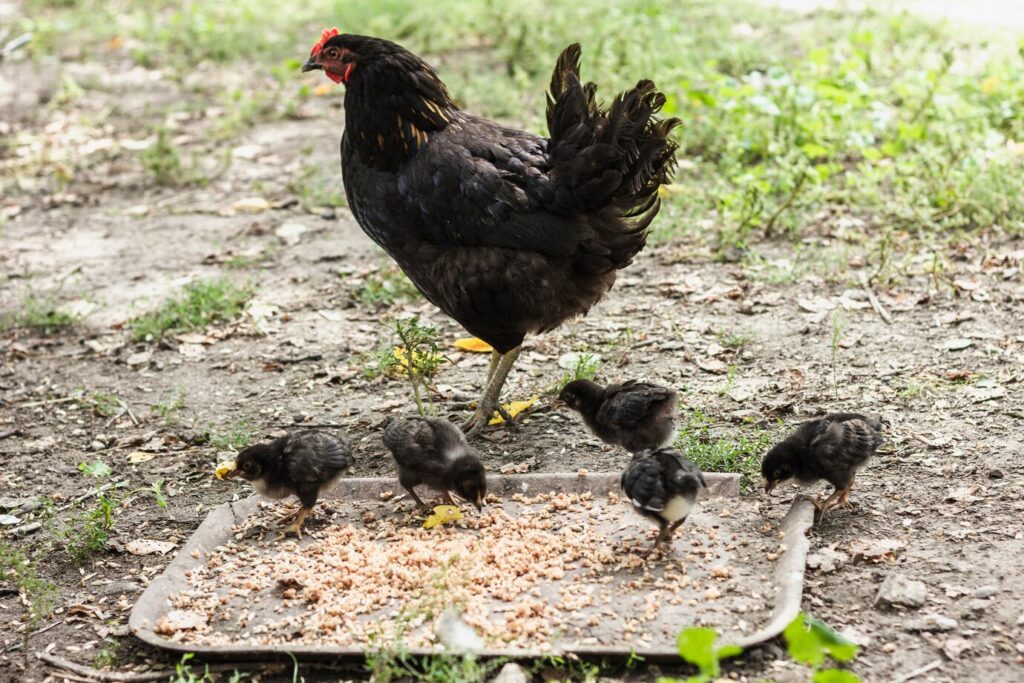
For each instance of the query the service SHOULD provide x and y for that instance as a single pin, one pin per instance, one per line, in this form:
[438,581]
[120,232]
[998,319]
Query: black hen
[434,452]
[304,464]
[832,448]
[505,231]
[662,485]
[634,415]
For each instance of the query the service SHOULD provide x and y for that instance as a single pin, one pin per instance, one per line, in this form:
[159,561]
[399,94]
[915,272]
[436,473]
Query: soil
[945,376]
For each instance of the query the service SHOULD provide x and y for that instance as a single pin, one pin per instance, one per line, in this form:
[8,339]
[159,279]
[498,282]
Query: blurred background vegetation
[888,127]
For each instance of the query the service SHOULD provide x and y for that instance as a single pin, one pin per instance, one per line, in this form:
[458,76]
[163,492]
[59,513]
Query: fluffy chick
[832,448]
[634,415]
[303,463]
[435,453]
[662,485]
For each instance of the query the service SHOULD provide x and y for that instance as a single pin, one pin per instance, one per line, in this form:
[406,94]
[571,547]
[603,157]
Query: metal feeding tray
[233,592]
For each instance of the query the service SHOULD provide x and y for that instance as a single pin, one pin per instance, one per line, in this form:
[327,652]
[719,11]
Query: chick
[434,452]
[833,448]
[634,415]
[303,463]
[662,485]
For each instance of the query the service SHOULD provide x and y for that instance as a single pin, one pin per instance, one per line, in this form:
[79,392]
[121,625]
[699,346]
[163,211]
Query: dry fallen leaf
[513,409]
[322,90]
[251,205]
[443,514]
[473,344]
[135,457]
[875,550]
[223,468]
[146,546]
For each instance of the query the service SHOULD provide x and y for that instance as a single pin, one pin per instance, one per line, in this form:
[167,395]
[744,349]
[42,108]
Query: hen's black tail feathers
[612,159]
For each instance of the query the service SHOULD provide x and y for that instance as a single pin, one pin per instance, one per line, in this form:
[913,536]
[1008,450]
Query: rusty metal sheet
[721,515]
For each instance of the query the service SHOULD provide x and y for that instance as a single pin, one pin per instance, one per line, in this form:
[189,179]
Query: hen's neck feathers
[393,108]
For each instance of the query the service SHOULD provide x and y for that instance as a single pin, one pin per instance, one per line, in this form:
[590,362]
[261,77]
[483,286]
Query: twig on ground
[91,674]
[9,433]
[875,303]
[919,671]
[34,404]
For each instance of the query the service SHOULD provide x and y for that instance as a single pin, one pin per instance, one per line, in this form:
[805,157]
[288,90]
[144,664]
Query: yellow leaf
[989,85]
[513,409]
[323,89]
[473,344]
[401,368]
[135,457]
[443,514]
[223,468]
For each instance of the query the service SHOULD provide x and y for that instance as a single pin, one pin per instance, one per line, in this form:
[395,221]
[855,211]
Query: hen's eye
[332,53]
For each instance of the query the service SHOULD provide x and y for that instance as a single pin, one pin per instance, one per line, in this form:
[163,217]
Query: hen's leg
[492,391]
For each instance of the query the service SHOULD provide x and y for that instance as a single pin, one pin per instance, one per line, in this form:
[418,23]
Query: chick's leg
[844,500]
[489,400]
[296,526]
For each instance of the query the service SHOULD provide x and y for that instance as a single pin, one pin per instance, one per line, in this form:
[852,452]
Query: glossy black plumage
[832,448]
[505,231]
[434,452]
[634,415]
[301,464]
[663,486]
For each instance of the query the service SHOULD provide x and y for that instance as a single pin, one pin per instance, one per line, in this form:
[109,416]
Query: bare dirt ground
[945,494]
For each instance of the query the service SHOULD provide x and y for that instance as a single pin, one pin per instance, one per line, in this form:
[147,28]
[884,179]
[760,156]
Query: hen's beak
[311,65]
[770,485]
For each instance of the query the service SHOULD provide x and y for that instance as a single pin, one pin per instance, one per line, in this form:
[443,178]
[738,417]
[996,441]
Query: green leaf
[97,469]
[803,645]
[841,649]
[835,676]
[727,651]
[813,150]
[697,646]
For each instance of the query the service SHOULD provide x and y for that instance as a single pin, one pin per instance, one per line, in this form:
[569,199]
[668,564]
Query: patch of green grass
[38,595]
[106,658]
[586,367]
[103,403]
[735,340]
[739,451]
[235,436]
[184,673]
[169,409]
[162,161]
[201,304]
[386,287]
[39,314]
[397,665]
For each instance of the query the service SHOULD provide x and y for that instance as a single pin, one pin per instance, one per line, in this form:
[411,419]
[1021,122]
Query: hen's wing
[630,403]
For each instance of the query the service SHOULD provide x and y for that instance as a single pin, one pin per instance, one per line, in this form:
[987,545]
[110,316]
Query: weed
[169,409]
[838,323]
[809,640]
[201,304]
[107,656]
[730,381]
[39,596]
[586,367]
[39,314]
[87,532]
[235,437]
[183,673]
[419,357]
[385,287]
[697,646]
[103,404]
[740,452]
[734,340]
[162,161]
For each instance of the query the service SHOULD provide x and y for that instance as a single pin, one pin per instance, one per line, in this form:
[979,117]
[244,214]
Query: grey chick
[832,448]
[302,463]
[634,415]
[434,452]
[662,485]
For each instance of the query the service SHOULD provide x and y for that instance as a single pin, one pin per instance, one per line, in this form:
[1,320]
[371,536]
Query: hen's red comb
[324,37]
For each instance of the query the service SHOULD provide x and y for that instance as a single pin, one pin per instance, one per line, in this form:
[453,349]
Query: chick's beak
[769,485]
[558,404]
[311,65]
